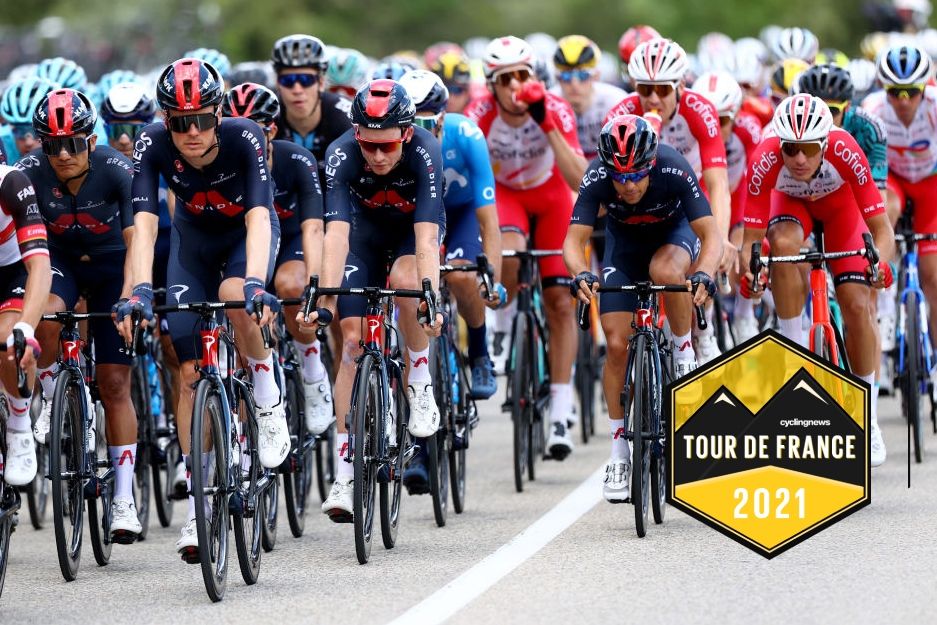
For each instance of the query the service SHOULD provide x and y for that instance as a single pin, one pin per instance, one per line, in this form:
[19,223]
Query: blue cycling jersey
[466,165]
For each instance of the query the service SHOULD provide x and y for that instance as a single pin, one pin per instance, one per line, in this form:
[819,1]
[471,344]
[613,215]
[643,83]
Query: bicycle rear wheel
[366,410]
[248,514]
[163,461]
[271,499]
[37,496]
[66,458]
[99,523]
[522,398]
[325,462]
[641,404]
[390,493]
[437,445]
[209,488]
[913,374]
[146,427]
[464,415]
[300,461]
[585,381]
[6,527]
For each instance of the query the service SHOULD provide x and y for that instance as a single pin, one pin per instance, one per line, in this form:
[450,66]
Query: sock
[744,308]
[793,329]
[683,348]
[561,402]
[505,316]
[870,378]
[342,469]
[46,377]
[477,345]
[620,448]
[419,366]
[886,301]
[266,392]
[18,419]
[313,371]
[123,458]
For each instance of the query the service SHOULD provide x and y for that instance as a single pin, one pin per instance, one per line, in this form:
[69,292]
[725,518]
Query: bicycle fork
[913,286]
[821,313]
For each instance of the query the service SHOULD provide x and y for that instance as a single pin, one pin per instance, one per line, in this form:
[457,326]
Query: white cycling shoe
[617,485]
[274,435]
[21,463]
[339,505]
[319,412]
[424,413]
[877,455]
[125,526]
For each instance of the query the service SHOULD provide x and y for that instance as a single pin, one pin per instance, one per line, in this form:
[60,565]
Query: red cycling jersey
[760,107]
[746,135]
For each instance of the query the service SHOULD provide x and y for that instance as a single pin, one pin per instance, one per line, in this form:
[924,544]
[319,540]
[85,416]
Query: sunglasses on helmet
[909,91]
[202,121]
[633,176]
[116,131]
[429,123]
[306,80]
[455,88]
[387,147]
[645,89]
[520,75]
[567,75]
[809,148]
[53,146]
[837,107]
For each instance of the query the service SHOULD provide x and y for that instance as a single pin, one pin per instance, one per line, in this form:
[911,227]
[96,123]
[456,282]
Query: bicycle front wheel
[66,459]
[585,381]
[911,382]
[390,493]
[437,444]
[641,405]
[365,411]
[37,496]
[146,427]
[296,482]
[6,527]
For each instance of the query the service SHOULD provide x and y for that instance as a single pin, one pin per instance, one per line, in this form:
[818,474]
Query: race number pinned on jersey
[768,444]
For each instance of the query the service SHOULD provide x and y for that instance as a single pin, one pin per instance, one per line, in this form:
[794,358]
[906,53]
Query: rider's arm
[310,209]
[564,139]
[883,235]
[259,241]
[592,190]
[425,160]
[144,191]
[716,180]
[574,248]
[123,178]
[482,180]
[698,212]
[344,163]
[18,198]
[710,244]
[764,166]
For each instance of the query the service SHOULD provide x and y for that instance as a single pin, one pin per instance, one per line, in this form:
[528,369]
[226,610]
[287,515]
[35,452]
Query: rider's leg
[786,237]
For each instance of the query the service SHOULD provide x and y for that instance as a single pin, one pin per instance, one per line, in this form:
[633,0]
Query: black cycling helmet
[253,101]
[299,51]
[188,85]
[628,143]
[128,101]
[64,113]
[383,103]
[828,82]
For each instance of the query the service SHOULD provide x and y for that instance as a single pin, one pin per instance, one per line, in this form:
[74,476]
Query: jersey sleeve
[18,199]
[258,191]
[425,160]
[590,197]
[764,166]
[849,159]
[703,122]
[341,162]
[474,150]
[307,182]
[566,118]
[629,106]
[122,177]
[679,176]
[873,139]
[145,185]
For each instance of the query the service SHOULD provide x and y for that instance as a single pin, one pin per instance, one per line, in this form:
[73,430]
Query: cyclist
[224,239]
[453,67]
[537,160]
[752,75]
[25,277]
[385,177]
[784,78]
[576,61]
[795,43]
[348,71]
[297,198]
[630,40]
[67,74]
[126,110]
[659,227]
[688,123]
[391,70]
[808,170]
[83,194]
[19,101]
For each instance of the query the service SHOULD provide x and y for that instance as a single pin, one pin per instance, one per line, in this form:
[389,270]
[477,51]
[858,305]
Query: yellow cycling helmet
[872,44]
[576,52]
[452,67]
[786,73]
[832,56]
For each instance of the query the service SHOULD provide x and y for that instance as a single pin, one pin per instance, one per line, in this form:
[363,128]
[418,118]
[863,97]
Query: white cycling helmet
[722,90]
[755,47]
[802,117]
[714,52]
[862,72]
[427,90]
[927,39]
[798,43]
[903,65]
[506,52]
[658,60]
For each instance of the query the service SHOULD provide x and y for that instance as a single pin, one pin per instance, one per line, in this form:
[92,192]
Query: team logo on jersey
[56,192]
[178,165]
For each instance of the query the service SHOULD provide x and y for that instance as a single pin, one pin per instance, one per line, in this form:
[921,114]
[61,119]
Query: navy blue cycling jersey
[673,194]
[411,192]
[336,119]
[216,197]
[297,194]
[93,221]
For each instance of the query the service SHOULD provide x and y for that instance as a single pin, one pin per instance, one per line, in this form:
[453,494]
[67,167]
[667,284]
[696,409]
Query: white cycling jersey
[589,123]
[912,150]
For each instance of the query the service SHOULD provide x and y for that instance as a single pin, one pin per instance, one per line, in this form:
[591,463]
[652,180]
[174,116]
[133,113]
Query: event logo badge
[769,444]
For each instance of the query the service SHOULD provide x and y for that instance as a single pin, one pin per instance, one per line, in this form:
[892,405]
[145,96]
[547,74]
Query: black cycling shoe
[416,476]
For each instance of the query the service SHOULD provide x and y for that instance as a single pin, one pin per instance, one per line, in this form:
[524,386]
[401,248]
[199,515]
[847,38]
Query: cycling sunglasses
[116,131]
[582,75]
[809,148]
[520,75]
[429,123]
[22,131]
[910,91]
[53,146]
[455,88]
[837,107]
[387,147]
[662,90]
[202,121]
[306,80]
[634,176]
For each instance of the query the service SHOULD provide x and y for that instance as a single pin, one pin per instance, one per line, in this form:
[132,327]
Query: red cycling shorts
[923,194]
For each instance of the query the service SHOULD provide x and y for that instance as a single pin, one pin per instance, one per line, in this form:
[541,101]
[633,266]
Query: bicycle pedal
[340,516]
[122,537]
[189,555]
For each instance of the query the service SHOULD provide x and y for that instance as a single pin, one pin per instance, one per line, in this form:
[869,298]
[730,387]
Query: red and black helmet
[64,113]
[188,85]
[383,103]
[632,37]
[628,143]
[252,101]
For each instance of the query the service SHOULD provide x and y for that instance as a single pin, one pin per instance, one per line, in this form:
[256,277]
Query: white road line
[449,599]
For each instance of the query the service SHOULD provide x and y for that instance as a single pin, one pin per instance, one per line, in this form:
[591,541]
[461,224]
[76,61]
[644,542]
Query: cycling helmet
[914,12]
[475,47]
[785,75]
[769,35]
[828,82]
[452,67]
[544,72]
[576,51]
[111,79]
[63,113]
[796,43]
[437,49]
[658,60]
[862,72]
[62,71]
[927,39]
[218,60]
[427,91]
[410,59]
[802,117]
[628,143]
[542,44]
[873,44]
[188,85]
[632,37]
[752,46]
[383,103]
[722,90]
[20,72]
[299,51]
[259,72]
[748,69]
[347,68]
[391,70]
[714,52]
[21,98]
[128,101]
[506,52]
[253,101]
[832,56]
[904,65]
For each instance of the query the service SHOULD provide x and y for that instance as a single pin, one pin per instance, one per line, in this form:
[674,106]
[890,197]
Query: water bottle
[156,398]
[454,375]
[390,420]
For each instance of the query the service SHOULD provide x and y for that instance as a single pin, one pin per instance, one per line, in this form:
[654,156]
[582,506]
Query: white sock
[419,366]
[505,316]
[313,371]
[620,448]
[561,402]
[206,462]
[886,302]
[683,348]
[123,458]
[266,392]
[793,329]
[18,419]
[343,469]
[46,377]
[870,378]
[744,308]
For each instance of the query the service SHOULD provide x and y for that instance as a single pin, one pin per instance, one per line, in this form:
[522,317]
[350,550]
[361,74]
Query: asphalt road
[580,562]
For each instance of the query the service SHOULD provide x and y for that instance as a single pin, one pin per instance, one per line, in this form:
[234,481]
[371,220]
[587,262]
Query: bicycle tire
[211,528]
[6,528]
[99,524]
[522,398]
[296,482]
[271,498]
[659,447]
[37,496]
[146,427]
[536,424]
[366,411]
[911,387]
[641,404]
[162,467]
[390,494]
[66,455]
[325,462]
[585,383]
[462,422]
[437,444]
[248,514]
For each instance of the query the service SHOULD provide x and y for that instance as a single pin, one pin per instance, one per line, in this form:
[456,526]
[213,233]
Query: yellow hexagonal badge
[768,444]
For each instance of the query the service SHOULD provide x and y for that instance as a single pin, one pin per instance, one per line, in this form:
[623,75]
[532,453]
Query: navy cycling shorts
[463,234]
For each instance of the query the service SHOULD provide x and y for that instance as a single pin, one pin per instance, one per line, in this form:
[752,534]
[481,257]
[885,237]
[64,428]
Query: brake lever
[429,298]
[264,330]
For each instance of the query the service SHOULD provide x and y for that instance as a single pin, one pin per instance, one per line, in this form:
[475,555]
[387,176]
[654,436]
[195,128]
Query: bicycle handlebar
[530,253]
[314,292]
[19,349]
[481,266]
[642,288]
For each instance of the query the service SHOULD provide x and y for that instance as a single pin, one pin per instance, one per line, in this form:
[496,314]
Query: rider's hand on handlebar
[433,330]
[883,278]
[747,280]
[498,296]
[255,296]
[584,287]
[141,300]
[31,351]
[702,286]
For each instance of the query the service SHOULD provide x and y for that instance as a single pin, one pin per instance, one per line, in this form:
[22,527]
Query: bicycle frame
[909,267]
